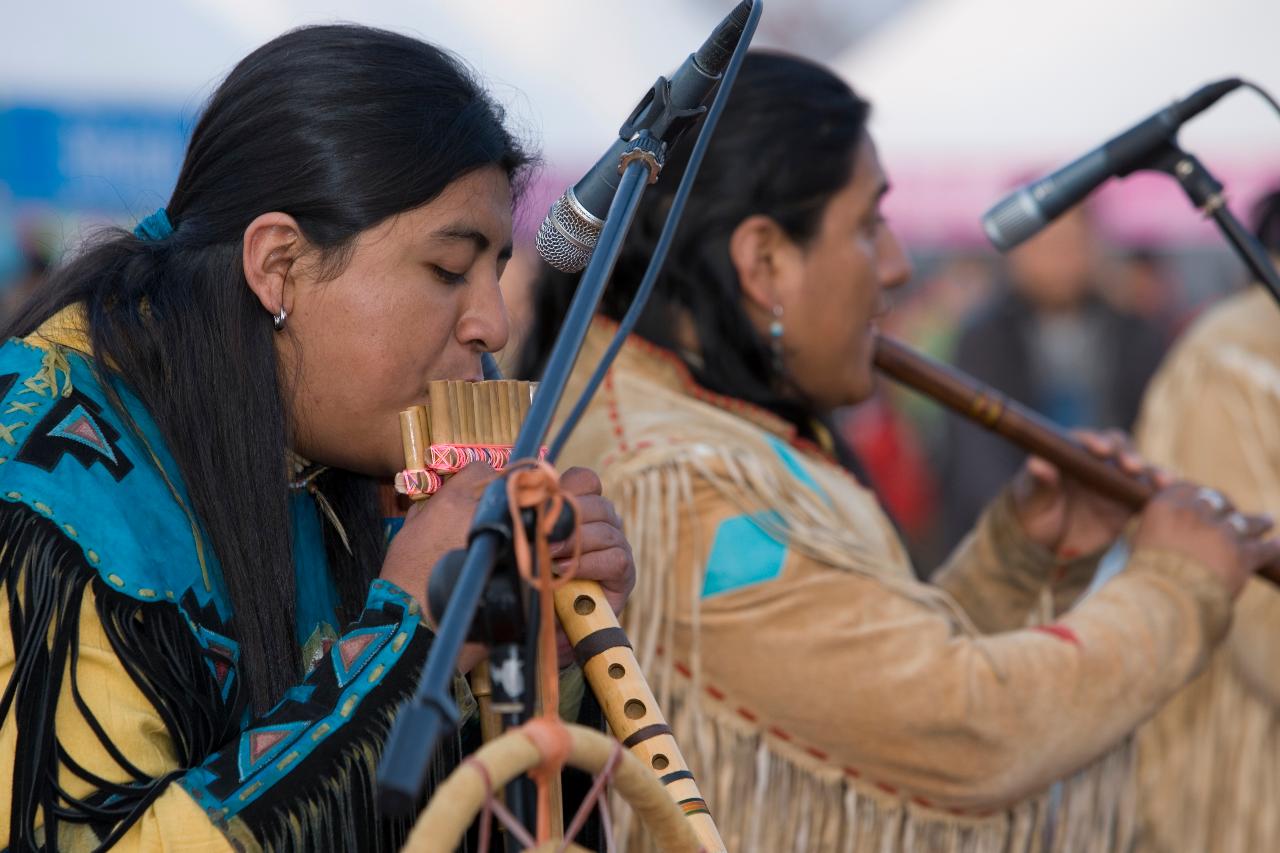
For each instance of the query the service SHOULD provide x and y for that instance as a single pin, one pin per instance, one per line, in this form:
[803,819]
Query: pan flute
[465,422]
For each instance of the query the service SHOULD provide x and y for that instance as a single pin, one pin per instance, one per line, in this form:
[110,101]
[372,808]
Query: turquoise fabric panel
[317,601]
[797,469]
[743,554]
[131,530]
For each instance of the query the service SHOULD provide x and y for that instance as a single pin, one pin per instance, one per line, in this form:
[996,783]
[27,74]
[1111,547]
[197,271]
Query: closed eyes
[448,276]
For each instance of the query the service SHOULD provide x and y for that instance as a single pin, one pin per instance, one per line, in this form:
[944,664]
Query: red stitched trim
[612,402]
[1062,632]
[722,401]
[851,772]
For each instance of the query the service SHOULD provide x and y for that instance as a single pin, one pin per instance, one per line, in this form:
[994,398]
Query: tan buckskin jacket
[1210,761]
[828,701]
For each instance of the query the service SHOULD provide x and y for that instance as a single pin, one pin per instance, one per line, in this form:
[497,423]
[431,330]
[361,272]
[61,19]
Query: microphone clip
[657,114]
[646,149]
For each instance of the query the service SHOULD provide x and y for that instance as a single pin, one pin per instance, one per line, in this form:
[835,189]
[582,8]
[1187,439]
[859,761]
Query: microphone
[568,235]
[1026,211]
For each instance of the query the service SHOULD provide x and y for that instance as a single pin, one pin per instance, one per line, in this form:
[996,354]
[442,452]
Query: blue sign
[108,160]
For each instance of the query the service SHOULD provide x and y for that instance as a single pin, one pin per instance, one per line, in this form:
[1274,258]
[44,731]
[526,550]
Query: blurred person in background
[1210,760]
[1048,340]
[829,701]
[1142,284]
[34,260]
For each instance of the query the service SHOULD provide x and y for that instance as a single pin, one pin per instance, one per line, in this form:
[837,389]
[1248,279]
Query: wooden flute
[1009,419]
[466,421]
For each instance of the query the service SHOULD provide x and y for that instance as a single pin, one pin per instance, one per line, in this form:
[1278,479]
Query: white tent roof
[966,91]
[1038,79]
[970,95]
[569,70]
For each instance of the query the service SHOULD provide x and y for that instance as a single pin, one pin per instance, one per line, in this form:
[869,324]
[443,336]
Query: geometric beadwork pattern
[79,426]
[355,649]
[259,746]
[72,428]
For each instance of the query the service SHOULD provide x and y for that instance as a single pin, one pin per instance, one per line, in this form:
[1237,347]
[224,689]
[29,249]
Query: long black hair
[784,146]
[340,127]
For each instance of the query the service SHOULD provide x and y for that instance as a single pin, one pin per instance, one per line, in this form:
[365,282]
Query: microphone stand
[420,723]
[480,569]
[1206,193]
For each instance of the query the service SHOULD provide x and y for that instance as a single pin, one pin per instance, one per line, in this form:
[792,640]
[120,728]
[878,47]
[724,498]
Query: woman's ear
[761,254]
[272,243]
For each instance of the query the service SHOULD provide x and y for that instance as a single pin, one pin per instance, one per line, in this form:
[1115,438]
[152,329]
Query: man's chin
[860,389]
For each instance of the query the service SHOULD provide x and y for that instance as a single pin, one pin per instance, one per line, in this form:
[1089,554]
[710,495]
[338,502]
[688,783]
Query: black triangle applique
[72,428]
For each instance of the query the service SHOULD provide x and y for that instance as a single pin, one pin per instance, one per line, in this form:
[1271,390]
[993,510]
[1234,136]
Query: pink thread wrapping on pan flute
[450,459]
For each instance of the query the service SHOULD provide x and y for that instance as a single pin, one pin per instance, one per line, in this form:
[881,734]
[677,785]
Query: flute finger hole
[660,762]
[634,709]
[584,605]
[617,671]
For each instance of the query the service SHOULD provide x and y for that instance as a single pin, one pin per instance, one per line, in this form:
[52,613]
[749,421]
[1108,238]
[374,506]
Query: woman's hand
[432,528]
[606,554]
[1062,514]
[436,526]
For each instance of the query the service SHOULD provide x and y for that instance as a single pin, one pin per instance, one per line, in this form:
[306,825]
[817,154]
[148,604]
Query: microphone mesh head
[1013,220]
[568,235]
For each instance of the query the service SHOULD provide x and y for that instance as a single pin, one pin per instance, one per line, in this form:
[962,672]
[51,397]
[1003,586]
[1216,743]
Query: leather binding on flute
[464,421]
[1009,419]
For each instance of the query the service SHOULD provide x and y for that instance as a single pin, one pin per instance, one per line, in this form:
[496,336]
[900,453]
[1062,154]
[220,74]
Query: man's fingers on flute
[1115,446]
[1249,526]
[1262,552]
[1042,470]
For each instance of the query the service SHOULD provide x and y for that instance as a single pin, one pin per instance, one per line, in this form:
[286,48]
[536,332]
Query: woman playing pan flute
[202,644]
[826,698]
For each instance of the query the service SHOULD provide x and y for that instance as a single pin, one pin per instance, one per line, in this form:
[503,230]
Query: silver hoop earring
[775,338]
[277,319]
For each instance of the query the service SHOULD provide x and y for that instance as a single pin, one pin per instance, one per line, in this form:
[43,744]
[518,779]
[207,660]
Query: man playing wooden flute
[826,699]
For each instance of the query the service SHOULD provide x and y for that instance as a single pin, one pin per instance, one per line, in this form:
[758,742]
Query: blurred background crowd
[971,98]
